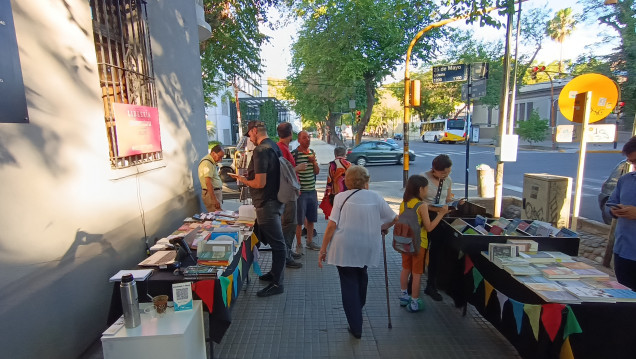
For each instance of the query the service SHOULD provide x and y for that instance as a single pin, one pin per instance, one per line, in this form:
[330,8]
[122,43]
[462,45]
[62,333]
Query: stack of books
[202,272]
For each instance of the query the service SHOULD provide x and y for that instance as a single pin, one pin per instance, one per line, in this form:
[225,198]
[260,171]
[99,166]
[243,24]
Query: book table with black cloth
[160,282]
[607,328]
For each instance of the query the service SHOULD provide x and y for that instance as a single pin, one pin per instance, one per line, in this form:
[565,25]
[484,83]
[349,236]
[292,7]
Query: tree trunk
[238,110]
[364,121]
[331,128]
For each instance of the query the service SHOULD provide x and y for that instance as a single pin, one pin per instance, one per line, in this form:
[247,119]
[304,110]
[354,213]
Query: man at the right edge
[623,208]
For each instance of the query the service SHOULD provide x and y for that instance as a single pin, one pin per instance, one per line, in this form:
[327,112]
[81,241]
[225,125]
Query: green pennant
[477,278]
[225,282]
[571,325]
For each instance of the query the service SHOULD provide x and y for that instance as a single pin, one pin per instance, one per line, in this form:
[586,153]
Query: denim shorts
[307,207]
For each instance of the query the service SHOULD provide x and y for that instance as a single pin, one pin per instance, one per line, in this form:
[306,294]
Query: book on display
[587,294]
[537,257]
[522,270]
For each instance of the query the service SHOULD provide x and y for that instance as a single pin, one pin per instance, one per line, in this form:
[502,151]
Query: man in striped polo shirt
[307,203]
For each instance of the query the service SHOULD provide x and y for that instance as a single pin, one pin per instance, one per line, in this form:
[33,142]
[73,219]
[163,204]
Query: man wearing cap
[211,184]
[263,176]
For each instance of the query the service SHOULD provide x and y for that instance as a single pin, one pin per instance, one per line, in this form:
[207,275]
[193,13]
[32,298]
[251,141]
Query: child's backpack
[407,231]
[337,181]
[289,187]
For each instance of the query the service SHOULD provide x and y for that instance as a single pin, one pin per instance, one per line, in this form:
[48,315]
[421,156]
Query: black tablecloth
[160,282]
[607,328]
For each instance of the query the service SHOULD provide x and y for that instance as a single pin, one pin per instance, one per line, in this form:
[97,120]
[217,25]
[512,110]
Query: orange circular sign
[604,96]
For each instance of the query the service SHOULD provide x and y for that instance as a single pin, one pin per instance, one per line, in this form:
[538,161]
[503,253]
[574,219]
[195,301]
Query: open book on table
[454,204]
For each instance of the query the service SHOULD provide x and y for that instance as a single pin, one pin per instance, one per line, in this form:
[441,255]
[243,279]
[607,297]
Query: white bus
[444,131]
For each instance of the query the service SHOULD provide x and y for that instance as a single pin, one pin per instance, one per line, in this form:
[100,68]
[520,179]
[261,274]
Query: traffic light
[619,107]
[357,116]
[533,73]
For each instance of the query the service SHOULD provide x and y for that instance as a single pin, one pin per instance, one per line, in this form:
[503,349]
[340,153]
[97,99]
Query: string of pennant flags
[550,315]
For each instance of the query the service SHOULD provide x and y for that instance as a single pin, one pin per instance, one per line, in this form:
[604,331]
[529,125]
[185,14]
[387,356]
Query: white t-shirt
[357,241]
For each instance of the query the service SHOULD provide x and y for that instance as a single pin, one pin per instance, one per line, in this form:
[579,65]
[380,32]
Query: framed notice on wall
[137,129]
[13,106]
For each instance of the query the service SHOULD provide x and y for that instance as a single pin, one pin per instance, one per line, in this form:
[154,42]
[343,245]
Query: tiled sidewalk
[308,321]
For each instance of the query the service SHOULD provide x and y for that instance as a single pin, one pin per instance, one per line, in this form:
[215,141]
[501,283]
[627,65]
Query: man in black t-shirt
[263,174]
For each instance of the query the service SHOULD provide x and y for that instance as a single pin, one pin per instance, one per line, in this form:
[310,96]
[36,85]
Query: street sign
[604,96]
[478,89]
[449,73]
[479,70]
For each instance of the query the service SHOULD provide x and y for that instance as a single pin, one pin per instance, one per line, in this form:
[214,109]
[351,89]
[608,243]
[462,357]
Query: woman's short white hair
[356,177]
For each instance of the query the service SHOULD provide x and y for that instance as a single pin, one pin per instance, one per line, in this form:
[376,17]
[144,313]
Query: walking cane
[386,278]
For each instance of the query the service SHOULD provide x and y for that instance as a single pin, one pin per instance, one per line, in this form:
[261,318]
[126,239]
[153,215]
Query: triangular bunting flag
[488,291]
[566,350]
[257,269]
[243,252]
[205,290]
[229,290]
[517,311]
[502,300]
[253,241]
[477,278]
[551,317]
[468,264]
[237,279]
[533,311]
[225,282]
[240,265]
[255,253]
[571,325]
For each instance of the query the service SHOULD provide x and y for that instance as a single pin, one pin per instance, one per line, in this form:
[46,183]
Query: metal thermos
[129,301]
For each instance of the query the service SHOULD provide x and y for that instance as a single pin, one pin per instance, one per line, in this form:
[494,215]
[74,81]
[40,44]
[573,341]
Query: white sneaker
[299,250]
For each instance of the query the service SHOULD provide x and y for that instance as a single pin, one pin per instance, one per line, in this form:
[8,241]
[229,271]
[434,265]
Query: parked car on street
[226,165]
[376,152]
[398,136]
[608,187]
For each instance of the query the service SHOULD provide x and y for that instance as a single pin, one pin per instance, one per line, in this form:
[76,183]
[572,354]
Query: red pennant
[468,264]
[205,290]
[551,317]
[243,253]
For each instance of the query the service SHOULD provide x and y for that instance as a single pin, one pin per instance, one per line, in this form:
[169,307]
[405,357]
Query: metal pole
[552,117]
[502,118]
[513,91]
[407,80]
[581,168]
[467,125]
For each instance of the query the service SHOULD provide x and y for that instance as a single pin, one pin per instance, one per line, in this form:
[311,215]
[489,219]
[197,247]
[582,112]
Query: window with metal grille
[124,61]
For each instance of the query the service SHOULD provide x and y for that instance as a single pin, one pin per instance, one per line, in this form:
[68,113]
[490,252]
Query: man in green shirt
[211,184]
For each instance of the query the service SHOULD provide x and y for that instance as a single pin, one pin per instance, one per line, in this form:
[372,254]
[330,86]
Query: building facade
[77,204]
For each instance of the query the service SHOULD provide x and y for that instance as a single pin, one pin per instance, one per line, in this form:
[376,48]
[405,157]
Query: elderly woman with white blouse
[353,241]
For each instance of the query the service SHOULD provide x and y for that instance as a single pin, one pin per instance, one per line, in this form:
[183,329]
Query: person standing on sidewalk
[335,179]
[438,191]
[353,241]
[211,184]
[263,176]
[288,219]
[307,203]
[624,209]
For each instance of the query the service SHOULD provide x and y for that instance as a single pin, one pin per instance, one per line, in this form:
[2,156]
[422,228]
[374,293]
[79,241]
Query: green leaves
[534,129]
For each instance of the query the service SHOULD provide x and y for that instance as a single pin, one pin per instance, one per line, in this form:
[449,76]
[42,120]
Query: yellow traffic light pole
[407,81]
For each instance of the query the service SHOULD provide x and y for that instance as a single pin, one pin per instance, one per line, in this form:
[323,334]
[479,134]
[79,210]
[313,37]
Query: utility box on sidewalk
[547,198]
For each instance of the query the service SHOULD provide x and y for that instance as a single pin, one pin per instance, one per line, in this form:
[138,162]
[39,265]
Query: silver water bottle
[129,301]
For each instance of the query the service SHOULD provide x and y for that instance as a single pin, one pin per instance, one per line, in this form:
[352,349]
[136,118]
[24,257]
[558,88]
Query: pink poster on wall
[137,129]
